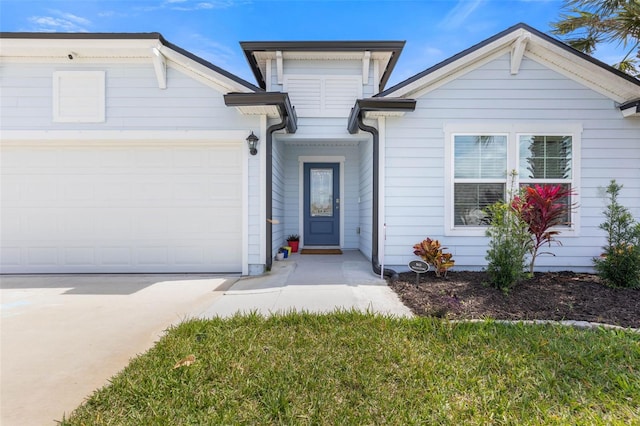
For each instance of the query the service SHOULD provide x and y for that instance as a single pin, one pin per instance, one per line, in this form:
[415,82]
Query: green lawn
[352,368]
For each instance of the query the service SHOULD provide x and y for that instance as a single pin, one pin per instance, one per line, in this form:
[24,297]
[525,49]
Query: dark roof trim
[82,36]
[321,46]
[373,104]
[278,99]
[249,47]
[631,104]
[490,40]
[131,36]
[211,66]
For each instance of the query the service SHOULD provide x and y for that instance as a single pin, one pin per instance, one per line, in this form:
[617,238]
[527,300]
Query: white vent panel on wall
[323,96]
[79,96]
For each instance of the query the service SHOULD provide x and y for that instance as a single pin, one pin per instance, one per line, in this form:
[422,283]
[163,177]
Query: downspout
[269,189]
[375,263]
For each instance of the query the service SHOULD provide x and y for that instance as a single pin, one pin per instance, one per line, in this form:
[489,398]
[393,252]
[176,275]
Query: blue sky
[433,29]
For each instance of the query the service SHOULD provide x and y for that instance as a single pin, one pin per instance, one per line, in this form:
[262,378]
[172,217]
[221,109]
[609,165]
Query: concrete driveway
[64,336]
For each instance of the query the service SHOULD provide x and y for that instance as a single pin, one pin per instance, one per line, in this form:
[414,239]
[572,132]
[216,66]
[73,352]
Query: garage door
[89,208]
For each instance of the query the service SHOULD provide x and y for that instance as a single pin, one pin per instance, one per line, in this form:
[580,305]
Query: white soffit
[591,75]
[263,56]
[56,49]
[377,114]
[270,111]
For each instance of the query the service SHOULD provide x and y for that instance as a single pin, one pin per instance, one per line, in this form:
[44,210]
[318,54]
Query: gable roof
[101,47]
[257,53]
[521,39]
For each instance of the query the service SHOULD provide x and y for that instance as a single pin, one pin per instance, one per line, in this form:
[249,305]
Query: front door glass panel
[321,192]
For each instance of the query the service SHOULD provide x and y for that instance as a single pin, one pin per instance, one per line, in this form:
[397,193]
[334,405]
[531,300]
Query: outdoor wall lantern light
[252,140]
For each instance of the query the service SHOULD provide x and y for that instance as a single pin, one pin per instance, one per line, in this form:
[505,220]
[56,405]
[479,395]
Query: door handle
[337,203]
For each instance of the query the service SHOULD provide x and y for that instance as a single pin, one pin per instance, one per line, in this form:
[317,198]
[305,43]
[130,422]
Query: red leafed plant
[542,208]
[432,252]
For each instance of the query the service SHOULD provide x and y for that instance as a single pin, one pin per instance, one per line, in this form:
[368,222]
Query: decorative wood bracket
[366,61]
[160,66]
[279,66]
[517,51]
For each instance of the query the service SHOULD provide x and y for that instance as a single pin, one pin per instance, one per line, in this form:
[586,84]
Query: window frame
[502,180]
[513,132]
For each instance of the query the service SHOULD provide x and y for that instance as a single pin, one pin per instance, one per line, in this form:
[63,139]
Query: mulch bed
[546,296]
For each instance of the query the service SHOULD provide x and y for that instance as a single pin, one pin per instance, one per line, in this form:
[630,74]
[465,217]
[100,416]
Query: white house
[126,153]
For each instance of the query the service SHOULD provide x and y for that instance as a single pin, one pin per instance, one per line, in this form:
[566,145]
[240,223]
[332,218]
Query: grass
[354,368]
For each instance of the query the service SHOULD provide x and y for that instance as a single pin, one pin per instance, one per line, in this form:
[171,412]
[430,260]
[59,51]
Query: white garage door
[99,208]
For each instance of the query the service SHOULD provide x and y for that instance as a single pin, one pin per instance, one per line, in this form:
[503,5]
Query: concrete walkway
[313,283]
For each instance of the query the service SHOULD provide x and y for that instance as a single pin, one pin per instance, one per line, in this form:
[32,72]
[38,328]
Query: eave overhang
[631,109]
[378,107]
[271,104]
[91,48]
[257,52]
[522,40]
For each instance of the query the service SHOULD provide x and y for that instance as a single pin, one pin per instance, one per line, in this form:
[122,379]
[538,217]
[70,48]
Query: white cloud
[214,52]
[431,51]
[190,5]
[73,18]
[60,21]
[221,55]
[117,14]
[202,5]
[459,14]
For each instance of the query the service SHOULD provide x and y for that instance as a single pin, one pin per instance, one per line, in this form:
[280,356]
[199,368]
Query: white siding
[365,197]
[415,157]
[278,197]
[256,186]
[134,100]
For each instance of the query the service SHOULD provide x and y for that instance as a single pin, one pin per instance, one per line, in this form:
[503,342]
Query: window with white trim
[546,160]
[479,166]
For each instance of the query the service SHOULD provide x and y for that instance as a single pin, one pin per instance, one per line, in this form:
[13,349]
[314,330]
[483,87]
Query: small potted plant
[293,240]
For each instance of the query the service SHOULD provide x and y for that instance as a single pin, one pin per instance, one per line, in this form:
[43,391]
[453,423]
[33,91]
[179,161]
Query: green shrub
[619,264]
[433,253]
[509,243]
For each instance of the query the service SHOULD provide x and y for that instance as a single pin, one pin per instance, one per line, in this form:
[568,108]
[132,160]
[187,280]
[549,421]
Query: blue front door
[321,204]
